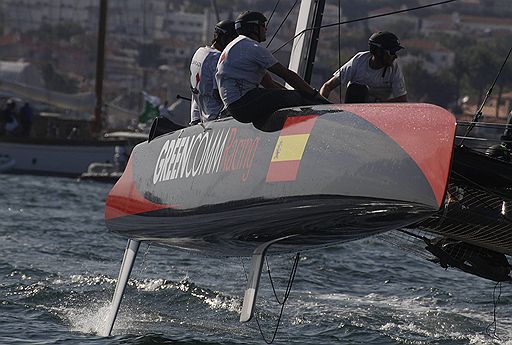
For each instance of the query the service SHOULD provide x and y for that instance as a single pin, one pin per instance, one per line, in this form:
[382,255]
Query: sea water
[59,265]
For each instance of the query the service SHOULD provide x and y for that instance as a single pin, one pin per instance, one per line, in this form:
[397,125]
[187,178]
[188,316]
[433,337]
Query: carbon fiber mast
[304,46]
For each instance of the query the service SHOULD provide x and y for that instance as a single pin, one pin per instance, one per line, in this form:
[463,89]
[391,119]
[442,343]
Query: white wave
[423,317]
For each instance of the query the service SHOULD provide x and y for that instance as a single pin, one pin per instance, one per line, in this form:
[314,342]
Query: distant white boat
[58,144]
[102,172]
[112,170]
[61,157]
[55,157]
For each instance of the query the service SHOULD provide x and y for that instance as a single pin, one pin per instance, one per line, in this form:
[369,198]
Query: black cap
[385,40]
[249,17]
[226,27]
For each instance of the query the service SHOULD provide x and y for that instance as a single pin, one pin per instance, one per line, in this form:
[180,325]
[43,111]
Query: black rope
[489,191]
[483,124]
[339,39]
[478,113]
[285,298]
[273,11]
[290,279]
[361,19]
[282,23]
[414,235]
[491,329]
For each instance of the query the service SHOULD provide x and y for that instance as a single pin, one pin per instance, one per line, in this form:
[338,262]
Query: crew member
[8,122]
[243,67]
[206,103]
[372,76]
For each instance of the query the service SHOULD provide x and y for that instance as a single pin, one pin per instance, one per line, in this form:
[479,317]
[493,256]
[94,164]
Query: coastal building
[457,24]
[134,19]
[432,54]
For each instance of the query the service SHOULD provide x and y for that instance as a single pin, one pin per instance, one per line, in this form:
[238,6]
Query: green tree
[422,86]
[477,61]
[500,50]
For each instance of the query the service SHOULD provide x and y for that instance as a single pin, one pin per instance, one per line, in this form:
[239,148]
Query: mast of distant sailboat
[100,66]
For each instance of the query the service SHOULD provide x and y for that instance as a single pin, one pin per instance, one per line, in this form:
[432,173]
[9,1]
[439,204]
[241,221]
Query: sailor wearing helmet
[206,103]
[372,76]
[244,66]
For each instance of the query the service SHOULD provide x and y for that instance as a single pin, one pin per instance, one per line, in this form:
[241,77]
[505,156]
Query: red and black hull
[326,174]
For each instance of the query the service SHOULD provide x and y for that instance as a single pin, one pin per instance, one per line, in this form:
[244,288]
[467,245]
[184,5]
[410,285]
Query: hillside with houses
[452,54]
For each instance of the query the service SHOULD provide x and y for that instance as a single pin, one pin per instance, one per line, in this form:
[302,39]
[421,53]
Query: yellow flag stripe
[290,147]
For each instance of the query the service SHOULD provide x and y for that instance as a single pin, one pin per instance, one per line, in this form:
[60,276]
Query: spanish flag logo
[290,146]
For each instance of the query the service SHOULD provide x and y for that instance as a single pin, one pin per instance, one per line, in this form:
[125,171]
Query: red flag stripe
[299,125]
[124,199]
[283,171]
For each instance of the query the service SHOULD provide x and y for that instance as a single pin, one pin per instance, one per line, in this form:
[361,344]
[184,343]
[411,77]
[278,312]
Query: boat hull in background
[324,174]
[56,159]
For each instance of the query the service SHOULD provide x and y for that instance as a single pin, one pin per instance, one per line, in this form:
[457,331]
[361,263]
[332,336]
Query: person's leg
[260,103]
[356,93]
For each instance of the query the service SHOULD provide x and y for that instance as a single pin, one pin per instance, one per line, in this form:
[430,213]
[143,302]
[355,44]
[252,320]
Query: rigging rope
[487,190]
[487,95]
[273,11]
[361,19]
[339,39]
[290,280]
[282,22]
[494,324]
[285,298]
[484,124]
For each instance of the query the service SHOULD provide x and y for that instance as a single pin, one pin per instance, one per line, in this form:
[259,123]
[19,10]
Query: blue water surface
[59,264]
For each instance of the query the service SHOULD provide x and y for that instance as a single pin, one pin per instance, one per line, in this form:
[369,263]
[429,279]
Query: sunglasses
[263,24]
[391,52]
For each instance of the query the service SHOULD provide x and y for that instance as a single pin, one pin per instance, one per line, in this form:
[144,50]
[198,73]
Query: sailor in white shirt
[206,103]
[243,66]
[372,76]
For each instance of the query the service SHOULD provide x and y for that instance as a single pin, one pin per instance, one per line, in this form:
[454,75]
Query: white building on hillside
[139,20]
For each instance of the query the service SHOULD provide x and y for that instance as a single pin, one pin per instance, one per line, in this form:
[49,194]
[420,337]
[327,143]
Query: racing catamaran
[309,177]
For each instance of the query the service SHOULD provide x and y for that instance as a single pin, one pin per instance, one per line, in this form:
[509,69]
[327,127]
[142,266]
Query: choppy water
[58,266]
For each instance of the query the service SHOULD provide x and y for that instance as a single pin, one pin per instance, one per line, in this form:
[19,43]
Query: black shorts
[258,104]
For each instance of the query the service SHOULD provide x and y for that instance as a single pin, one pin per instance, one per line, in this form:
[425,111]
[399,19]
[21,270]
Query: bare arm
[268,83]
[195,112]
[329,85]
[293,79]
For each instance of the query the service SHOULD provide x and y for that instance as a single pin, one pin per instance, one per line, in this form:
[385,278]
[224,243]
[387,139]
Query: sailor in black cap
[206,103]
[372,76]
[244,66]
